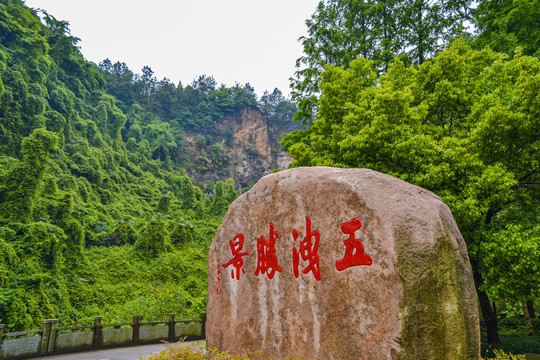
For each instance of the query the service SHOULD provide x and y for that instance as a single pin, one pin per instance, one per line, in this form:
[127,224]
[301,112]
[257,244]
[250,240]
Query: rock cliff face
[242,149]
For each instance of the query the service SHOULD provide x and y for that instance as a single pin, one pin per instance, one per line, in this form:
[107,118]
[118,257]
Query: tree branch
[490,214]
[528,175]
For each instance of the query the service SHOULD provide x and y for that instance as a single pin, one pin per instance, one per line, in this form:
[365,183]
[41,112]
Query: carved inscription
[305,252]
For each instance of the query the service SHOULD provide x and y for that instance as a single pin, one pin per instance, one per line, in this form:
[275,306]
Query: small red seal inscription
[218,288]
[354,249]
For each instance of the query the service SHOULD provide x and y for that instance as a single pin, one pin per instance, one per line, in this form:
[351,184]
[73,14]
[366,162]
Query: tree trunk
[420,32]
[489,316]
[526,313]
[530,308]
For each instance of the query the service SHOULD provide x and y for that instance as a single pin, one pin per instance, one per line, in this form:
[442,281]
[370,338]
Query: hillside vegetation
[97,213]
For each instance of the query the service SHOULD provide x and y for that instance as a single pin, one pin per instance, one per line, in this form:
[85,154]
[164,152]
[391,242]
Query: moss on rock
[435,324]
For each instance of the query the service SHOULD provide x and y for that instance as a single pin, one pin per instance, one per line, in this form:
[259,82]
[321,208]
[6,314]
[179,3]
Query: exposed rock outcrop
[247,151]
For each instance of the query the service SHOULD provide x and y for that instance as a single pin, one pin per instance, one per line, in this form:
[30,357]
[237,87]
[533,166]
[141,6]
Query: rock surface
[248,152]
[412,297]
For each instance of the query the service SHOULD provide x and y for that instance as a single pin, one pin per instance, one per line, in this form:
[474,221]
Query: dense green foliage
[505,25]
[511,344]
[97,214]
[465,125]
[340,31]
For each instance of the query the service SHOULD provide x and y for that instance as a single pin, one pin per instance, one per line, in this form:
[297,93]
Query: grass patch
[199,351]
[512,344]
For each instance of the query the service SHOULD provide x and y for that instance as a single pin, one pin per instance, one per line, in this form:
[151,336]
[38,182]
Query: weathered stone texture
[249,153]
[416,301]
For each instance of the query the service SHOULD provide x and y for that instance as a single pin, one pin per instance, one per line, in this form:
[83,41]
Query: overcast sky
[240,41]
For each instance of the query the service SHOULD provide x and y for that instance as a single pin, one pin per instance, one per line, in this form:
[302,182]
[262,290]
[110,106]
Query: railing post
[52,336]
[1,332]
[171,327]
[136,326]
[45,335]
[203,325]
[98,332]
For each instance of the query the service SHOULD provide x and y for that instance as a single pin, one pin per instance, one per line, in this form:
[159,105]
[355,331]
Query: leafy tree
[342,30]
[511,259]
[63,45]
[204,84]
[429,26]
[166,100]
[19,185]
[119,81]
[243,96]
[154,239]
[146,85]
[464,125]
[276,107]
[505,25]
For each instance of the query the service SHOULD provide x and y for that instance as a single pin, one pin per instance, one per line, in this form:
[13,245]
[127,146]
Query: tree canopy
[465,125]
[462,122]
[505,25]
[342,30]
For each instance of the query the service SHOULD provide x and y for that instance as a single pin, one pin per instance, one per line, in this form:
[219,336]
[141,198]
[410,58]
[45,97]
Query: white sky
[240,41]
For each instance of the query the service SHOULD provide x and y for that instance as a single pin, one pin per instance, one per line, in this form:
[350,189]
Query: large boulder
[341,264]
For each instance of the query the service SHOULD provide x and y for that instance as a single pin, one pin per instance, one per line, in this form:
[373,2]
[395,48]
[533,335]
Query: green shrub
[514,344]
[154,239]
[511,322]
[501,355]
[535,324]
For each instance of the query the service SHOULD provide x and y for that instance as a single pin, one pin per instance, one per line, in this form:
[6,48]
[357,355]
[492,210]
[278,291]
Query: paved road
[124,353]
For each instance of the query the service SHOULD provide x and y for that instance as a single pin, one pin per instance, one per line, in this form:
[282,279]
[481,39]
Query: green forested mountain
[191,127]
[97,213]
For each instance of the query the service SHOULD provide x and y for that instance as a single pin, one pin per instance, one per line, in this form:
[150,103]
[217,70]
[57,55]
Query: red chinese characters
[237,260]
[354,249]
[267,261]
[304,252]
[309,251]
